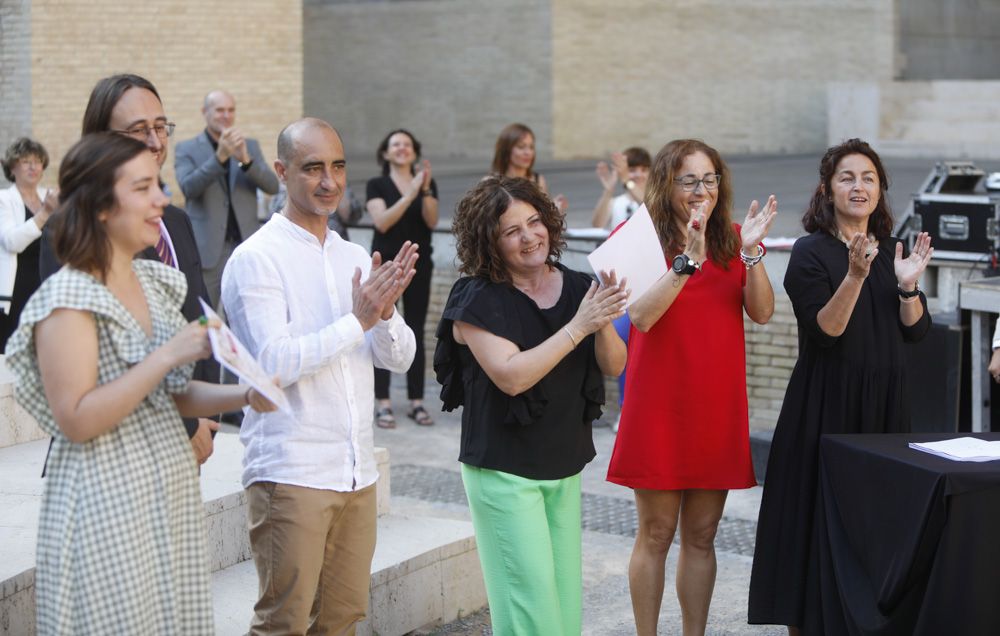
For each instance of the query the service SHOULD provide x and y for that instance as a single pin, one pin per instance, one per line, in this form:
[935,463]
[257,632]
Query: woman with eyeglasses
[857,304]
[683,439]
[25,208]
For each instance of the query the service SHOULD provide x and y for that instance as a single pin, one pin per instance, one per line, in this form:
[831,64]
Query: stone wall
[15,72]
[454,73]
[949,39]
[253,48]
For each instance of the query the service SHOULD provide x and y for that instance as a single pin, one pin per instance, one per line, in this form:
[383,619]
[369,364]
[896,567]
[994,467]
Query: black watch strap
[908,294]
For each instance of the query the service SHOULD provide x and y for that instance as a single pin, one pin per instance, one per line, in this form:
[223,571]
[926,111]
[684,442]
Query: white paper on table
[634,253]
[961,449]
[231,354]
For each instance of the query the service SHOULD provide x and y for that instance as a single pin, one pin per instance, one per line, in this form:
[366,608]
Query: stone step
[426,570]
[16,426]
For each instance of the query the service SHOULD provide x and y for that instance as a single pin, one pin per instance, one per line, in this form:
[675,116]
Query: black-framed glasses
[690,183]
[141,131]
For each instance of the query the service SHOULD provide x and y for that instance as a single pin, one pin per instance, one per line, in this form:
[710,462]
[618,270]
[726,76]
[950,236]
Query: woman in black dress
[523,343]
[25,208]
[857,304]
[403,203]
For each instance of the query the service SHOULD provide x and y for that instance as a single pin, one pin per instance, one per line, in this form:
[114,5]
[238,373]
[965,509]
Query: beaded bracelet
[750,261]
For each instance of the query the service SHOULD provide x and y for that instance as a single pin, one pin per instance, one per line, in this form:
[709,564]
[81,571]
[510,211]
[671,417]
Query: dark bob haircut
[22,149]
[87,178]
[720,237]
[820,214]
[383,147]
[476,225]
[508,138]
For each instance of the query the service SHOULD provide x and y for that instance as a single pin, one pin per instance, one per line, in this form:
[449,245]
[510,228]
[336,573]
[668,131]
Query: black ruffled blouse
[545,432]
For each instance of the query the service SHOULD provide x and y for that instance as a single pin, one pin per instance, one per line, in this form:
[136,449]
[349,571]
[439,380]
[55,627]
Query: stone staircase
[425,571]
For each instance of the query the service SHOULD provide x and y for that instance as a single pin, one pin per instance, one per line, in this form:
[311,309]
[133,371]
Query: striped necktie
[163,250]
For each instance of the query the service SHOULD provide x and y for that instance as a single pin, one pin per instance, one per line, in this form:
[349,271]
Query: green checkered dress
[121,535]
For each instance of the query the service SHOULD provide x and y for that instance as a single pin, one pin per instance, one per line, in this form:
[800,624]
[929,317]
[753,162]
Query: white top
[996,335]
[622,208]
[288,299]
[16,233]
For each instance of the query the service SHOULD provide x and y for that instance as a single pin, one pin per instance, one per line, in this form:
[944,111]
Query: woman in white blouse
[24,209]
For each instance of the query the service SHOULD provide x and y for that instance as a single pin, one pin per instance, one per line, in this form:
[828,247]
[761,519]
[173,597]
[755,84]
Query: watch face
[680,263]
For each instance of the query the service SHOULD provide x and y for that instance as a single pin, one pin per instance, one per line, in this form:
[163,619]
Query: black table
[909,542]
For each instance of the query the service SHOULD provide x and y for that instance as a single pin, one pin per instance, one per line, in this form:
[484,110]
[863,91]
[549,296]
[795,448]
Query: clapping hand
[600,305]
[909,269]
[376,297]
[425,174]
[695,246]
[860,254]
[607,178]
[757,224]
[620,162]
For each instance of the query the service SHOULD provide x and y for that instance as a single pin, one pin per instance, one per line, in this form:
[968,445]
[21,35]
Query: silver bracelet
[571,338]
[750,261]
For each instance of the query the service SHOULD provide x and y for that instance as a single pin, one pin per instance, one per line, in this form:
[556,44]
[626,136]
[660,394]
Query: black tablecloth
[909,542]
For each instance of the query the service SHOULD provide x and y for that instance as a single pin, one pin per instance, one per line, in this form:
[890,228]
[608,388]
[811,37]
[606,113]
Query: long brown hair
[820,214]
[506,141]
[105,96]
[476,225]
[87,178]
[720,237]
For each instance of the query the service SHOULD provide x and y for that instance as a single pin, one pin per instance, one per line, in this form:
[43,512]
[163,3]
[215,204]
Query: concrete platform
[425,570]
[16,426]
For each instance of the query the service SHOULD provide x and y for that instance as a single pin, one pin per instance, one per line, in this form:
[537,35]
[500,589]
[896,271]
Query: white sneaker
[614,425]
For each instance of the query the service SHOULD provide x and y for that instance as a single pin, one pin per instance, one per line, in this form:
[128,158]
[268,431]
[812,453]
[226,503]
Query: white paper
[961,449]
[634,253]
[231,354]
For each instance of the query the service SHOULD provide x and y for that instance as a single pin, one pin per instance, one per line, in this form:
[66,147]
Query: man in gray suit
[219,172]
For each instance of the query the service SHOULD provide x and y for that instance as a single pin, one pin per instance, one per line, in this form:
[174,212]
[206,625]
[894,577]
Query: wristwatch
[245,165]
[630,184]
[684,266]
[908,294]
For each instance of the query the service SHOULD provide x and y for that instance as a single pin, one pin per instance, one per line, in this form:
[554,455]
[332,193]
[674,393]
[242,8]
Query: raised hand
[406,260]
[620,162]
[757,224]
[425,173]
[600,305]
[607,178]
[860,254]
[909,269]
[562,203]
[695,247]
[413,188]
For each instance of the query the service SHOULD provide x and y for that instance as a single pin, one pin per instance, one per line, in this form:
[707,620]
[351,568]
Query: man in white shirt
[294,296]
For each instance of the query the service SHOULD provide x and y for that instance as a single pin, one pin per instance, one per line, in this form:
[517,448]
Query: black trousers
[415,300]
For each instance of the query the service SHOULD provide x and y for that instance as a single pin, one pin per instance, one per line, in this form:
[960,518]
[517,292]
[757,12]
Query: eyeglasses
[141,131]
[689,183]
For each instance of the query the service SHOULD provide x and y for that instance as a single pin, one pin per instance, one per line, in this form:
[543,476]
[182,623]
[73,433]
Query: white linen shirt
[289,300]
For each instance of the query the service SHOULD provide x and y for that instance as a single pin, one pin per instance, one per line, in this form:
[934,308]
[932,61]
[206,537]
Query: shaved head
[212,95]
[289,136]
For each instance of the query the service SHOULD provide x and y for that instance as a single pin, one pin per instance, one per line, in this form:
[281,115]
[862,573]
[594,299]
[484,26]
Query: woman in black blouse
[404,207]
[522,344]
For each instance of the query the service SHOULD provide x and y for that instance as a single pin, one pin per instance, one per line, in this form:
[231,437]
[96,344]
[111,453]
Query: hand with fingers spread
[607,177]
[909,269]
[601,304]
[406,260]
[620,162]
[757,224]
[861,252]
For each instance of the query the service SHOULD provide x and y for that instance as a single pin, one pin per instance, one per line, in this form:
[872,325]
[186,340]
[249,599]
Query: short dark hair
[476,225]
[383,147]
[820,214]
[104,97]
[638,157]
[720,237]
[87,178]
[21,149]
[506,141]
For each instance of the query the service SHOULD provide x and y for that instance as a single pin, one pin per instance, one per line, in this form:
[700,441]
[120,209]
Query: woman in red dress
[683,441]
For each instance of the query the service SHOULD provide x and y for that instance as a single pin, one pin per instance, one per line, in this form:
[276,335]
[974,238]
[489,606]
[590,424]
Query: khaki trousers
[313,551]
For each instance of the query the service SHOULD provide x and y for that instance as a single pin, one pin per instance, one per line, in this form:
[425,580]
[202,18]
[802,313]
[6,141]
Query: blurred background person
[514,156]
[684,439]
[103,360]
[632,169]
[522,345]
[403,204]
[857,304]
[25,208]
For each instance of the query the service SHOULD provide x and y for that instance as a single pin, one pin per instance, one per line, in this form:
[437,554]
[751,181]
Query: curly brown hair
[820,214]
[476,225]
[720,237]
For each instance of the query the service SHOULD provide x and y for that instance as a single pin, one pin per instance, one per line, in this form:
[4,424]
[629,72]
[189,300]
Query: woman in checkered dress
[103,360]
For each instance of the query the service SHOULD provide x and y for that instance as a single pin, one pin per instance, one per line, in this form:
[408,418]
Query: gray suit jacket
[201,178]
